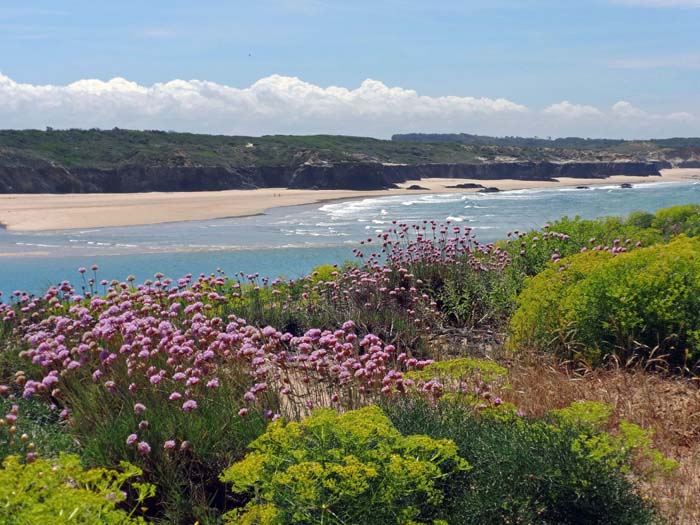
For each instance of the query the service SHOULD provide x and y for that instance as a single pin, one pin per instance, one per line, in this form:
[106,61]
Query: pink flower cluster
[177,342]
[166,341]
[431,243]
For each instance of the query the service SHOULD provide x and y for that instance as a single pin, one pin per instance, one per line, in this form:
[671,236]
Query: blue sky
[537,53]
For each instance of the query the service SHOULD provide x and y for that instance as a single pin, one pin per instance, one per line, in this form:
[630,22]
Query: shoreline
[46,212]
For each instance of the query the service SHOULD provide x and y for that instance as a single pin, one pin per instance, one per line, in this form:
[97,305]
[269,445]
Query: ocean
[291,241]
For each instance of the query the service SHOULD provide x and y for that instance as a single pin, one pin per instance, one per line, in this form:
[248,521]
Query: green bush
[186,477]
[678,219]
[534,472]
[350,468]
[476,298]
[614,445]
[60,492]
[591,305]
[532,252]
[640,219]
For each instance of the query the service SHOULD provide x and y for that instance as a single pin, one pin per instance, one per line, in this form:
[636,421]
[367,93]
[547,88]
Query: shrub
[60,492]
[640,219]
[596,304]
[350,468]
[180,453]
[626,447]
[524,471]
[531,252]
[678,219]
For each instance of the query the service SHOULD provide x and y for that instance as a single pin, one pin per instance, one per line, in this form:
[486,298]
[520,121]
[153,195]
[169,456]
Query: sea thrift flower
[189,405]
[139,408]
[169,444]
[143,448]
[131,439]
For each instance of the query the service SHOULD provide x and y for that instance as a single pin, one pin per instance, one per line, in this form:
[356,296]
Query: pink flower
[189,405]
[139,408]
[169,445]
[243,412]
[131,439]
[143,448]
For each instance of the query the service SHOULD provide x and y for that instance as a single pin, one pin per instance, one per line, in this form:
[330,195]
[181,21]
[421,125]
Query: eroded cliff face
[17,177]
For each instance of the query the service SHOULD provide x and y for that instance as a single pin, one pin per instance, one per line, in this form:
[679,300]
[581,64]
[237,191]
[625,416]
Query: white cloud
[279,104]
[626,110]
[680,115]
[569,110]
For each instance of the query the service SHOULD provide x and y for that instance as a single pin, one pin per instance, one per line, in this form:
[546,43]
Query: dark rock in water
[583,187]
[625,185]
[466,186]
[416,187]
[490,189]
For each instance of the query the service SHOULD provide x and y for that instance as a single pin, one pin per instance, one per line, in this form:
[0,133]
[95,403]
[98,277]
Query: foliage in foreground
[532,251]
[350,468]
[60,492]
[535,472]
[168,376]
[594,304]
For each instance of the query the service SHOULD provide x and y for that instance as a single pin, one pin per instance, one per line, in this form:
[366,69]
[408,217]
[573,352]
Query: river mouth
[292,240]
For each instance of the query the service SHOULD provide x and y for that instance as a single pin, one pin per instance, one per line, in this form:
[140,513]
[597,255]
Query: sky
[594,68]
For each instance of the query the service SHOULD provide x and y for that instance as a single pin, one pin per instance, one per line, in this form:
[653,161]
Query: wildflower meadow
[385,390]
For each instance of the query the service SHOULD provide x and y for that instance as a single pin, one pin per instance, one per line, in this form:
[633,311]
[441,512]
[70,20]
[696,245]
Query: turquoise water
[290,241]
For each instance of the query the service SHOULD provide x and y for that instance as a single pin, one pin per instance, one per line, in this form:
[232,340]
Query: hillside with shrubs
[549,378]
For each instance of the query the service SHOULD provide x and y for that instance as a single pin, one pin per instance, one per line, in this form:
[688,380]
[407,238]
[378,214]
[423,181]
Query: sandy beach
[56,212]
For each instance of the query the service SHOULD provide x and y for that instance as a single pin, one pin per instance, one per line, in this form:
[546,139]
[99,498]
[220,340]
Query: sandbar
[43,212]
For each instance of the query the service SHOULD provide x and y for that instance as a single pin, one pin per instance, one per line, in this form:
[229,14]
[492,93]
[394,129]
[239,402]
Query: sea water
[291,241]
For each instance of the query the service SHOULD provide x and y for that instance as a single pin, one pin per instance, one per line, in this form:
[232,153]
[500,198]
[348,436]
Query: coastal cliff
[47,178]
[126,161]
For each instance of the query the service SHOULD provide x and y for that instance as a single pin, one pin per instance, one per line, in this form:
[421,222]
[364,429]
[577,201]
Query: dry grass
[670,407]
